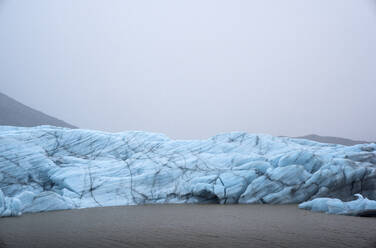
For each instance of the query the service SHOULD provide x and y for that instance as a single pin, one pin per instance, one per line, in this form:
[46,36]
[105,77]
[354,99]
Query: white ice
[48,168]
[335,206]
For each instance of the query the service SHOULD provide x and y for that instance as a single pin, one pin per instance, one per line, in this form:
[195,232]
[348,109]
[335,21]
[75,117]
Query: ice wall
[49,168]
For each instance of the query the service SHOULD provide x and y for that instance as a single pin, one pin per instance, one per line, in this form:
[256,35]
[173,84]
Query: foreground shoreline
[187,226]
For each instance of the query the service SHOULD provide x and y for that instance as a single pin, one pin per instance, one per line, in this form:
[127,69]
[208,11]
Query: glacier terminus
[49,168]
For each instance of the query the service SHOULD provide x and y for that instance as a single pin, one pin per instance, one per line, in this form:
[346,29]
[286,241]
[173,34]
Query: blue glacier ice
[336,206]
[49,168]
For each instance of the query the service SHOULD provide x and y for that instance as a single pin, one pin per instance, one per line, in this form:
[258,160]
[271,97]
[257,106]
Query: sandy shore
[187,226]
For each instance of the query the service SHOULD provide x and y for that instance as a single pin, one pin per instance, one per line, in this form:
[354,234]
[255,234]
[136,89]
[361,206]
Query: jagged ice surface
[336,206]
[49,168]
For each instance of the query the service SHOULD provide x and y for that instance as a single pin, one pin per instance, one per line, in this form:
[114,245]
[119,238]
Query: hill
[14,113]
[333,140]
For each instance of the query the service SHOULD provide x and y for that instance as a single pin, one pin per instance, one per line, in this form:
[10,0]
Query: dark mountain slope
[333,140]
[14,113]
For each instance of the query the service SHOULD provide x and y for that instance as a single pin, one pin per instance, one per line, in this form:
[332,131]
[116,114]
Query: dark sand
[187,226]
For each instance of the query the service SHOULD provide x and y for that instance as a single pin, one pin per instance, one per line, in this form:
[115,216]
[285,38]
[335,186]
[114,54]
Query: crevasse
[49,168]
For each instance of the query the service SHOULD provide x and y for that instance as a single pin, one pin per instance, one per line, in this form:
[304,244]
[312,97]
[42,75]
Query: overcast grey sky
[194,68]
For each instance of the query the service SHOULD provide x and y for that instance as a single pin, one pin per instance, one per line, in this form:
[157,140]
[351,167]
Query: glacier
[50,168]
[361,206]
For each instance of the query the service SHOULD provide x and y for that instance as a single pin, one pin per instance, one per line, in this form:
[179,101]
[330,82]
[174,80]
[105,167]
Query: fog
[192,69]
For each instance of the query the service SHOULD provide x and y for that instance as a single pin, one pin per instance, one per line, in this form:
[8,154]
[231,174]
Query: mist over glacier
[50,168]
[192,69]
